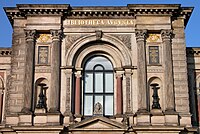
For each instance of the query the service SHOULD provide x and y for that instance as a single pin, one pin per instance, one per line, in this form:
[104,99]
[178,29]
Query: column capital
[166,34]
[78,74]
[30,34]
[141,34]
[56,34]
[119,74]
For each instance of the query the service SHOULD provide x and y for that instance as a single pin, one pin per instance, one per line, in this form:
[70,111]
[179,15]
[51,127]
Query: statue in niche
[98,109]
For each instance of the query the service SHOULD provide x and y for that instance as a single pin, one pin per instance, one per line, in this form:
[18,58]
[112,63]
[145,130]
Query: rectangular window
[43,54]
[153,55]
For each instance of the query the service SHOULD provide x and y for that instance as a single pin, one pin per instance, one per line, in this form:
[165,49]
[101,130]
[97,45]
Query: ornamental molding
[155,70]
[42,70]
[66,11]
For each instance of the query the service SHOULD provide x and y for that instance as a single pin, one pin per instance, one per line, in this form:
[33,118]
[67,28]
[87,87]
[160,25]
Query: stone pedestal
[171,120]
[25,120]
[157,117]
[143,119]
[185,120]
[12,120]
[53,119]
[40,119]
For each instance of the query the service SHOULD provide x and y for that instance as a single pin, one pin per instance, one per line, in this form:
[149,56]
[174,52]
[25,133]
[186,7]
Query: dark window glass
[153,55]
[43,55]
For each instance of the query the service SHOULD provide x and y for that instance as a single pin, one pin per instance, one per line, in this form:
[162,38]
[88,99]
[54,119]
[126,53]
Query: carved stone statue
[98,109]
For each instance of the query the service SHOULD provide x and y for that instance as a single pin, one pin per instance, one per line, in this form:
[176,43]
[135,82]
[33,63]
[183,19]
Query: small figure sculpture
[98,109]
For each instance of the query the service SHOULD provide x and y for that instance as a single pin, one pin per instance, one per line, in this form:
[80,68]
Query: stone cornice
[5,52]
[131,10]
[193,51]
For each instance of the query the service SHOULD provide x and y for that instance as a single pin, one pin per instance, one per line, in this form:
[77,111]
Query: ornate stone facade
[99,70]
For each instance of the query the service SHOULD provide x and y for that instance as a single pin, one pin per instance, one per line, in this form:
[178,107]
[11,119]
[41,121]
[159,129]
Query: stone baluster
[29,69]
[168,67]
[55,71]
[141,70]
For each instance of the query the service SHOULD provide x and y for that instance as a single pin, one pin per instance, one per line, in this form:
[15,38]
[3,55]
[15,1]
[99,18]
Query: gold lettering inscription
[98,22]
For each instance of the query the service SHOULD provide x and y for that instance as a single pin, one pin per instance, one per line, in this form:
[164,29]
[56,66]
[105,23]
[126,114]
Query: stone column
[141,70]
[168,67]
[119,93]
[55,71]
[29,70]
[78,94]
[128,74]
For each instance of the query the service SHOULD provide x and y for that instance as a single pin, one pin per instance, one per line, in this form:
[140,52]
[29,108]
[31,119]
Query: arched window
[98,87]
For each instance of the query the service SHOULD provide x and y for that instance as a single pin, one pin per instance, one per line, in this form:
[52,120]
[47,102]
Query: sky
[192,30]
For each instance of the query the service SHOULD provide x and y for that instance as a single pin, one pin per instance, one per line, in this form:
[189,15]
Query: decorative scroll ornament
[56,34]
[98,109]
[44,38]
[141,34]
[166,34]
[30,34]
[153,38]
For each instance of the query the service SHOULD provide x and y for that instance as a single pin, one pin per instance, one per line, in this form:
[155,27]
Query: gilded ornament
[153,38]
[44,37]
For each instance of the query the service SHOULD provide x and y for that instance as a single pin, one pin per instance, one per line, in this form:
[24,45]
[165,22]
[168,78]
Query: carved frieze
[125,38]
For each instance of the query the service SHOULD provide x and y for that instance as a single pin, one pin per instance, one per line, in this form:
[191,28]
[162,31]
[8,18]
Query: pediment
[98,122]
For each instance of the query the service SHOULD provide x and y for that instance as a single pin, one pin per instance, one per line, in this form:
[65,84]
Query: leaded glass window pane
[98,82]
[108,105]
[108,82]
[88,82]
[88,105]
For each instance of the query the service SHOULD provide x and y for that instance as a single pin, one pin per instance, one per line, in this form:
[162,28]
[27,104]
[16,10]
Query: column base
[78,117]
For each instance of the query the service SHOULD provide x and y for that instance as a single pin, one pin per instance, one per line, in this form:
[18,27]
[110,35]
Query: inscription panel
[100,22]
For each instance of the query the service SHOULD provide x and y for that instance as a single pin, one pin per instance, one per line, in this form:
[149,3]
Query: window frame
[93,93]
